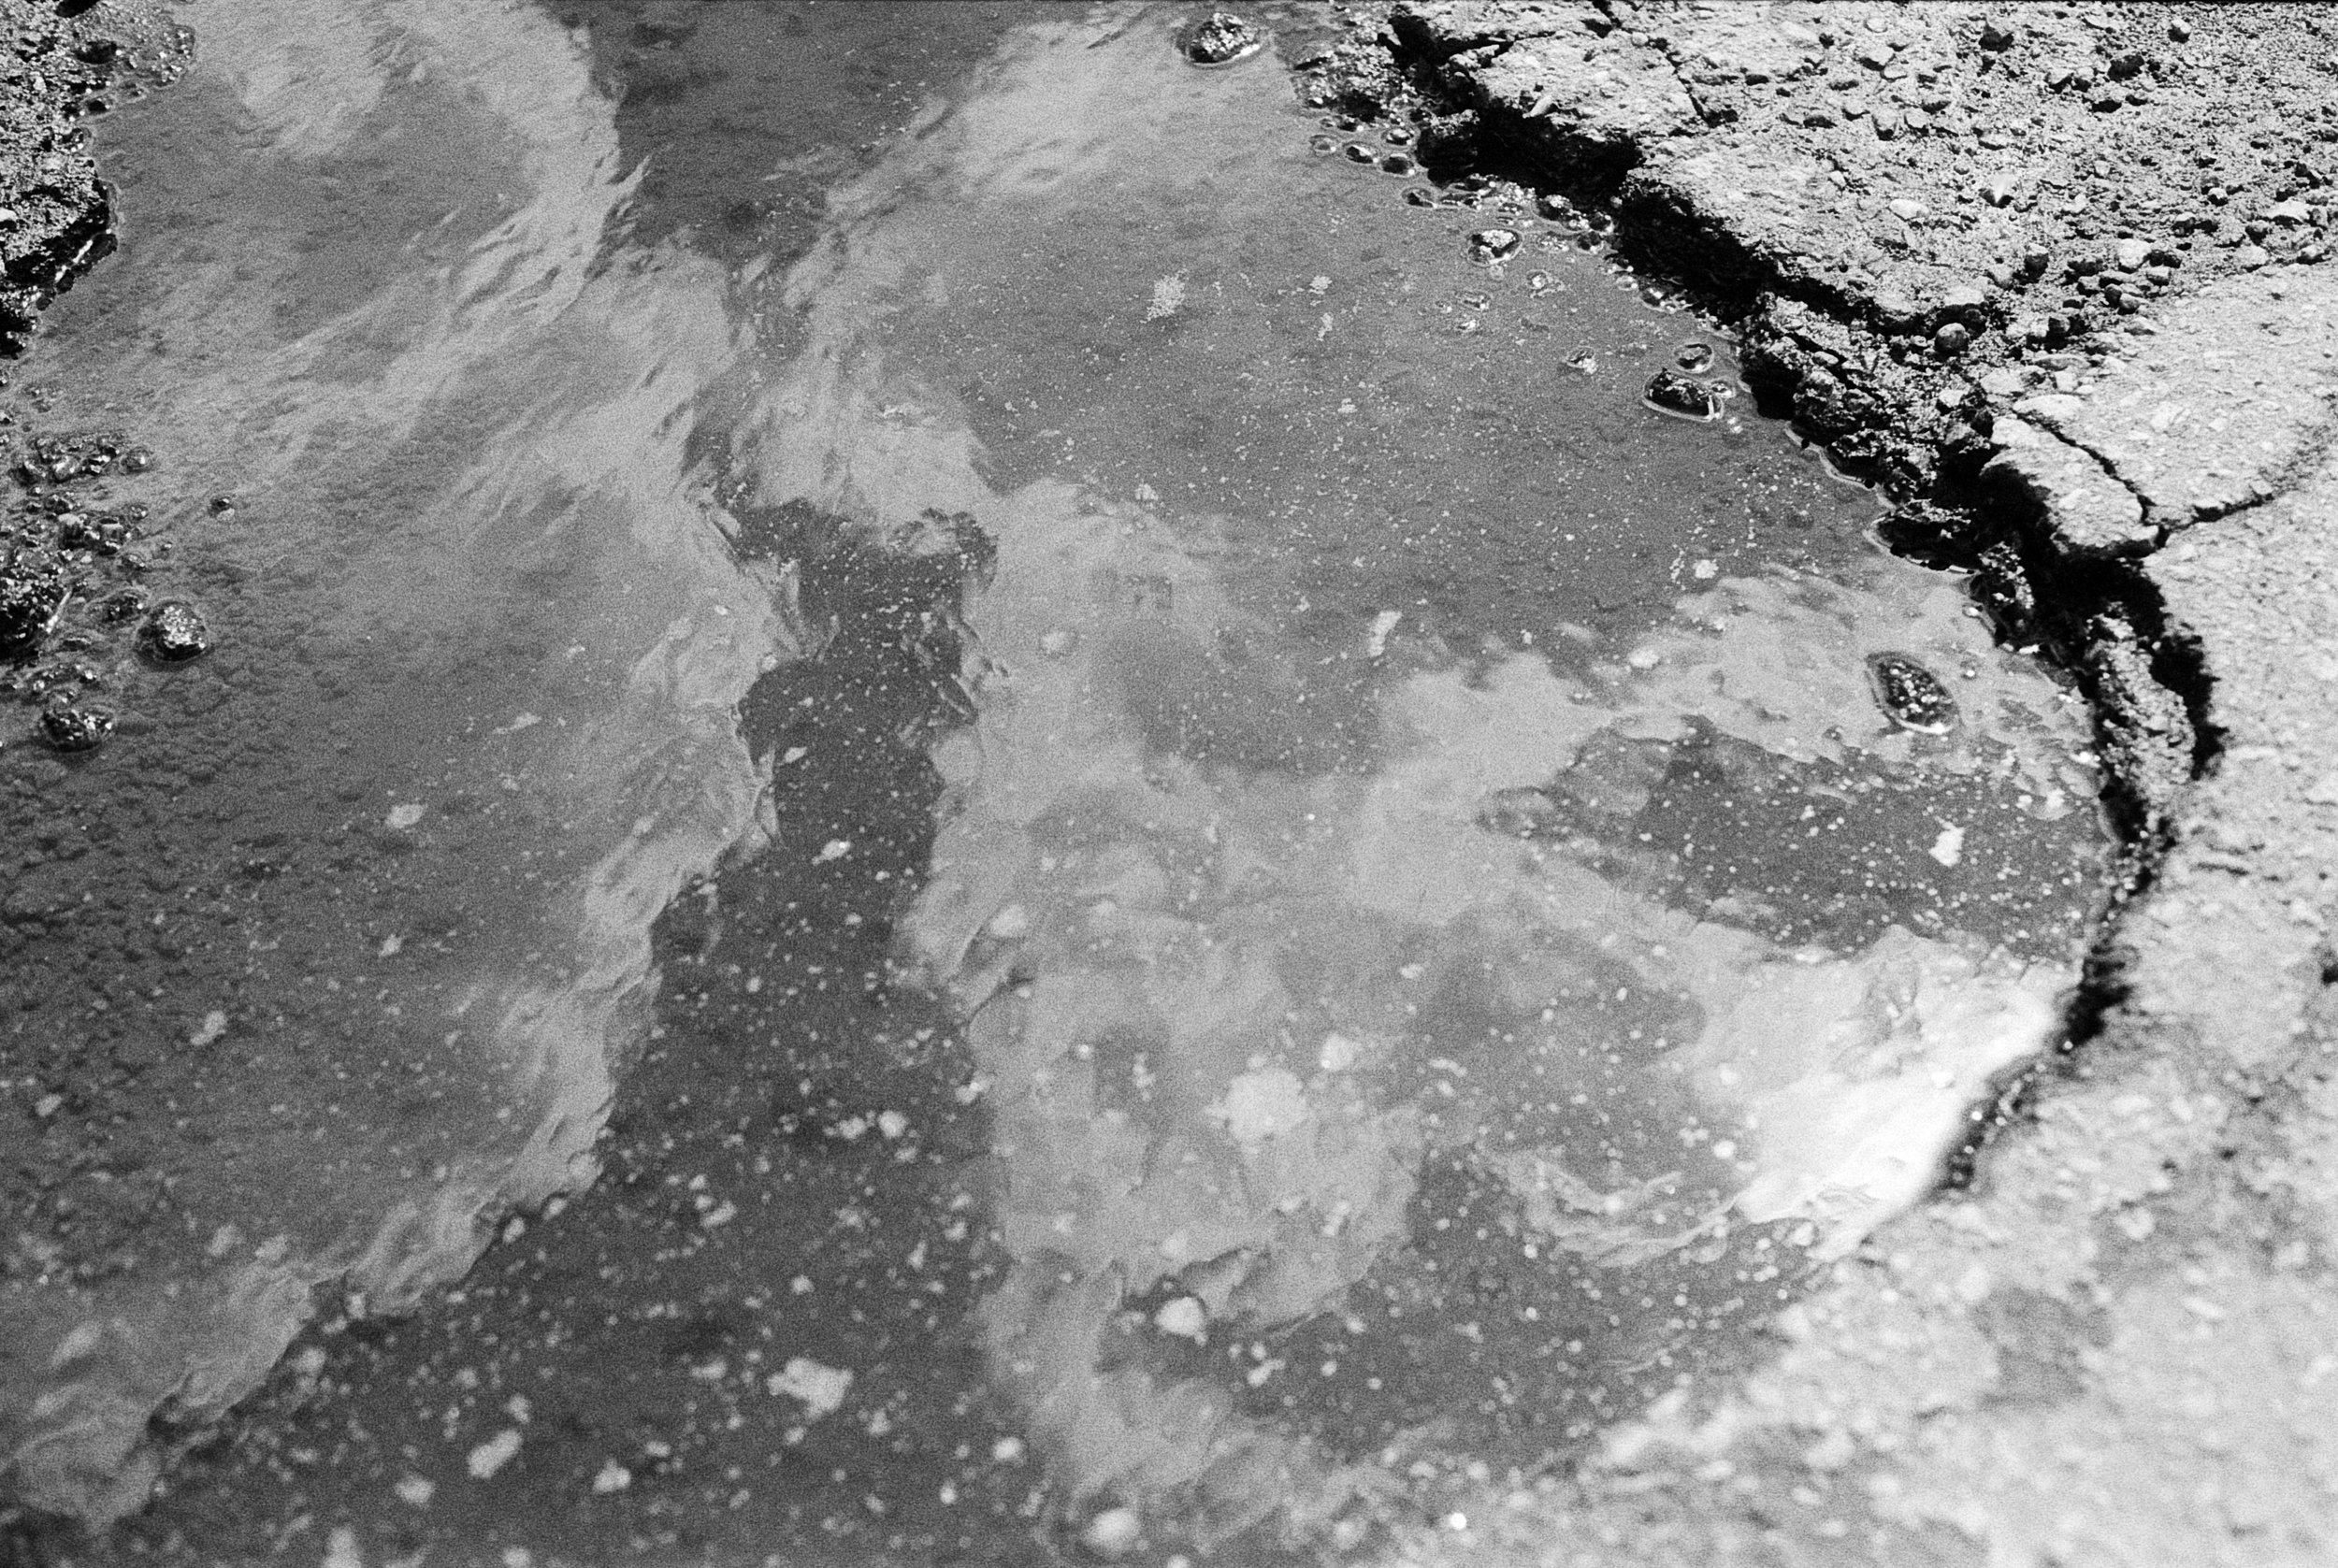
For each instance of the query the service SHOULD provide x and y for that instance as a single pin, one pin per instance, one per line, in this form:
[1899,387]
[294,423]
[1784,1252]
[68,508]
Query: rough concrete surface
[2054,271]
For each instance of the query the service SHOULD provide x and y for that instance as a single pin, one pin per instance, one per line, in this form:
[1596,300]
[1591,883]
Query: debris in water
[32,596]
[1382,623]
[214,1024]
[403,815]
[75,730]
[493,1454]
[1949,848]
[173,633]
[1219,38]
[1492,245]
[1911,695]
[822,1389]
[1183,1317]
[1113,1534]
[1263,1104]
[1168,297]
[1676,394]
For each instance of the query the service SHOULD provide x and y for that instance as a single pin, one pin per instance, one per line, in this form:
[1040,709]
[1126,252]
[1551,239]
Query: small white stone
[1113,1534]
[1340,1053]
[821,1388]
[493,1454]
[1183,1317]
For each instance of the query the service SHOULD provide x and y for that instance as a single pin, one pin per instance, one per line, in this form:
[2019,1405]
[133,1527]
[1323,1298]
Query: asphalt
[2060,280]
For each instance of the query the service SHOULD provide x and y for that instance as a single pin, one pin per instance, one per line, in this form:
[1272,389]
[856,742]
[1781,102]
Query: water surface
[1204,878]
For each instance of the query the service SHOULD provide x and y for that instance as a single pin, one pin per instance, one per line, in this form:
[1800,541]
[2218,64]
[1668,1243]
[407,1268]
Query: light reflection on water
[1277,953]
[1357,882]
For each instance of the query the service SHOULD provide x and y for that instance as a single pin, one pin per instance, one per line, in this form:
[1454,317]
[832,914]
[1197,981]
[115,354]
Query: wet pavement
[1069,832]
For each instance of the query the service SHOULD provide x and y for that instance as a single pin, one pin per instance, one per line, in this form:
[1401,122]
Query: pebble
[1492,245]
[1113,1534]
[1909,695]
[1183,1317]
[2251,257]
[174,632]
[2132,254]
[1219,38]
[1953,338]
[1676,394]
[493,1455]
[75,729]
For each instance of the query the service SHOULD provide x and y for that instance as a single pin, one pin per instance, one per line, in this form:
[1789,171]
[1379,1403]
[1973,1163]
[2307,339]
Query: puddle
[1207,875]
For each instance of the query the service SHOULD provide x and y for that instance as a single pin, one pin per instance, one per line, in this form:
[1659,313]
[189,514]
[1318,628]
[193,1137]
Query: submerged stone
[1492,245]
[1400,163]
[75,729]
[1676,394]
[123,604]
[1219,38]
[1693,356]
[32,592]
[174,632]
[1909,695]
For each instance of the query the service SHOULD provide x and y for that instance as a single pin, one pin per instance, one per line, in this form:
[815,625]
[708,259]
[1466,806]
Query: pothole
[1274,896]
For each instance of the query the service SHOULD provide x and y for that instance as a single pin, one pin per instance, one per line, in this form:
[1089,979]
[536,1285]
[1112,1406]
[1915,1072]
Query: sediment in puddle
[383,865]
[2146,491]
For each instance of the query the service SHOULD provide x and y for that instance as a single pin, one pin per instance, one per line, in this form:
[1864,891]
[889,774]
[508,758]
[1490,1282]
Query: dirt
[2056,274]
